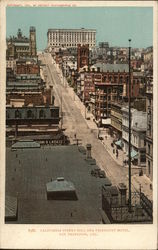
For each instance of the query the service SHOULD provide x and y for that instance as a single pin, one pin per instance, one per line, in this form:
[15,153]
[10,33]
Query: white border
[14,236]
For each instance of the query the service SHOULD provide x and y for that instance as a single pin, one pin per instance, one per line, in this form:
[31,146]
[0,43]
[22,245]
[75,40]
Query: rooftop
[28,172]
[60,185]
[25,144]
[111,67]
[72,30]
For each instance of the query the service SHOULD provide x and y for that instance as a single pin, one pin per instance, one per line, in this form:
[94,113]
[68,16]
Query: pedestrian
[75,136]
[113,151]
[116,153]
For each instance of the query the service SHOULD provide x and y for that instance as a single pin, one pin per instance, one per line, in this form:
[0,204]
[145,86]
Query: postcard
[78,124]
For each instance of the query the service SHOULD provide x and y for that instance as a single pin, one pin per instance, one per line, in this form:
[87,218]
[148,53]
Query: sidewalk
[137,180]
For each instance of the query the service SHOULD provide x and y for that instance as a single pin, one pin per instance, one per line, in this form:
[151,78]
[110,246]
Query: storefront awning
[119,143]
[134,154]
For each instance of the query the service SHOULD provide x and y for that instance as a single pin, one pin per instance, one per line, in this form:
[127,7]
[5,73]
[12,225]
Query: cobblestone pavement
[86,131]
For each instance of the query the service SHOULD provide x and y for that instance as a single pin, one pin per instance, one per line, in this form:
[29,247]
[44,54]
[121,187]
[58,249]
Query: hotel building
[71,37]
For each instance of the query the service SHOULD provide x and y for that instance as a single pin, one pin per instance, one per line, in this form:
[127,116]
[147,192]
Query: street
[75,124]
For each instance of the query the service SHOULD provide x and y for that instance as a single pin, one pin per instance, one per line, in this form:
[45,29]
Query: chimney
[123,191]
[88,146]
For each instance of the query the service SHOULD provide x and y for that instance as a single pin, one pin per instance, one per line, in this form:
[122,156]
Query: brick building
[31,94]
[27,69]
[82,56]
[27,121]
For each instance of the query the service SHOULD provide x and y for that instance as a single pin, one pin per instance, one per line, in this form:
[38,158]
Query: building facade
[116,118]
[32,41]
[71,37]
[149,134]
[82,56]
[138,133]
[21,46]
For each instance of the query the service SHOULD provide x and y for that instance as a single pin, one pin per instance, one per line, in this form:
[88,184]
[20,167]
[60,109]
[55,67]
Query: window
[7,114]
[149,167]
[29,114]
[41,113]
[149,149]
[54,113]
[17,114]
[142,158]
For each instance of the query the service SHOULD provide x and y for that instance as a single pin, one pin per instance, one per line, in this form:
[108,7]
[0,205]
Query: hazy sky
[113,24]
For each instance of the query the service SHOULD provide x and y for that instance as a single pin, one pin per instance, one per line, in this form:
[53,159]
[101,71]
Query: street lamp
[129,118]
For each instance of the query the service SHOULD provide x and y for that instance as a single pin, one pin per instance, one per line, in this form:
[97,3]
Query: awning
[134,154]
[119,143]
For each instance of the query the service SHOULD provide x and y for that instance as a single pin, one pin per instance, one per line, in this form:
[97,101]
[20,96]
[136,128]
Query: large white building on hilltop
[71,37]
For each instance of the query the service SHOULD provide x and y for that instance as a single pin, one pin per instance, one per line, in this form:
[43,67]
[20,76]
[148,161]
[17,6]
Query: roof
[28,84]
[27,76]
[21,44]
[72,30]
[112,67]
[36,168]
[59,185]
[25,144]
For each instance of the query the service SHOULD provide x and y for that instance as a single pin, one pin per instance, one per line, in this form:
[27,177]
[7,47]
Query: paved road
[74,123]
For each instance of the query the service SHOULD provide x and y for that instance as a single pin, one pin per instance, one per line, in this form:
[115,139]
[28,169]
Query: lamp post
[129,118]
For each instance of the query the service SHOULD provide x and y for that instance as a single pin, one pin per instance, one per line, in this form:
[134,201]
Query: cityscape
[79,129]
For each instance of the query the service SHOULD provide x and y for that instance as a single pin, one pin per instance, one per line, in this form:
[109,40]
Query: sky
[113,24]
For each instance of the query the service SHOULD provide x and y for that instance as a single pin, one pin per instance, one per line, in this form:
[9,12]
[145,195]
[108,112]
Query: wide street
[75,124]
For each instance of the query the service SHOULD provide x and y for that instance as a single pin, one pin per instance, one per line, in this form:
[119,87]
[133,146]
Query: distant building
[71,37]
[104,45]
[32,41]
[82,56]
[21,46]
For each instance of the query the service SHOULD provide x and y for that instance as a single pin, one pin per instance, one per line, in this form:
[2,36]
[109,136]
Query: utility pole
[61,101]
[129,118]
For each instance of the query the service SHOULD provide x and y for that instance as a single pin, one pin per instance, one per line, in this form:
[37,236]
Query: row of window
[22,49]
[68,44]
[30,114]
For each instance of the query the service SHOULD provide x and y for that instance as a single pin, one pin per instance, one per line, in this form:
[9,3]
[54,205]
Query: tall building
[82,56]
[32,41]
[71,37]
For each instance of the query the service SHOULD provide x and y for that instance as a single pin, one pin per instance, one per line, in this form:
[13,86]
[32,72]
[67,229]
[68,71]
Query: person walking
[116,153]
